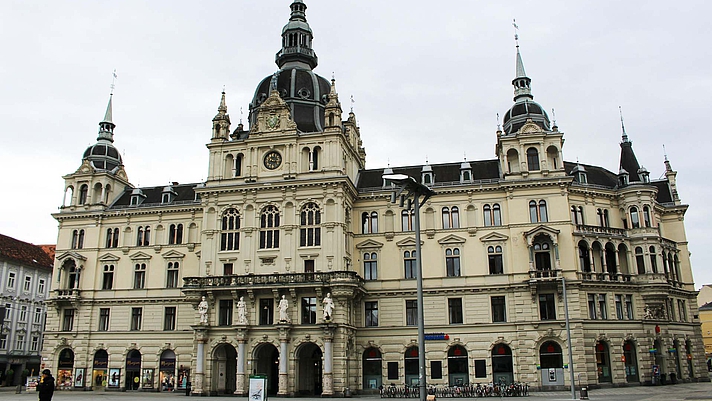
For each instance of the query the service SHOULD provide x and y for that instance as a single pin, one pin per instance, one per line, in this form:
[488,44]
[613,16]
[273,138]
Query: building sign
[436,336]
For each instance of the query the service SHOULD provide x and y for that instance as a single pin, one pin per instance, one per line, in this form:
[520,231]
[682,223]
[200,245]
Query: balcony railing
[596,276]
[544,274]
[585,229]
[286,279]
[67,295]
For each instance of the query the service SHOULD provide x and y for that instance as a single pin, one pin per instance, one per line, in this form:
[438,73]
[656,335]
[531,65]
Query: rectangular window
[309,310]
[104,319]
[68,320]
[547,307]
[136,314]
[682,312]
[629,306]
[41,287]
[266,311]
[35,344]
[20,342]
[409,262]
[169,318]
[619,306]
[436,369]
[225,312]
[452,262]
[28,284]
[38,316]
[11,280]
[592,306]
[370,266]
[371,309]
[603,309]
[23,313]
[172,274]
[392,370]
[3,341]
[454,308]
[411,312]
[480,368]
[227,269]
[499,309]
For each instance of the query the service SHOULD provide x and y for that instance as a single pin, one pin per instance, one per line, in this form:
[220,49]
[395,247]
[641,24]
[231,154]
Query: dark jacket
[46,388]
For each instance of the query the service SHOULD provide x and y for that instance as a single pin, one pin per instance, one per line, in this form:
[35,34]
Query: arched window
[370,266]
[634,218]
[451,217]
[494,260]
[457,366]
[533,213]
[74,275]
[646,217]
[143,236]
[653,260]
[369,222]
[577,215]
[407,220]
[496,215]
[543,216]
[452,262]
[269,228]
[310,230]
[409,263]
[83,193]
[238,165]
[314,159]
[512,161]
[487,214]
[538,212]
[677,268]
[532,159]
[77,239]
[112,237]
[542,253]
[640,260]
[610,255]
[606,222]
[550,356]
[230,235]
[139,276]
[172,274]
[108,278]
[175,234]
[584,257]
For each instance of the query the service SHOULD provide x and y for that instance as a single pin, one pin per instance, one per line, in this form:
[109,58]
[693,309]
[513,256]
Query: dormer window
[426,175]
[168,195]
[465,172]
[387,171]
[623,177]
[581,178]
[644,175]
[137,197]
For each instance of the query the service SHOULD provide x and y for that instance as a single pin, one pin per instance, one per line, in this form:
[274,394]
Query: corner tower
[527,145]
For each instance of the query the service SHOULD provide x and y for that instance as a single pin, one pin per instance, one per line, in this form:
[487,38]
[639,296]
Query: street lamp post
[568,337]
[414,192]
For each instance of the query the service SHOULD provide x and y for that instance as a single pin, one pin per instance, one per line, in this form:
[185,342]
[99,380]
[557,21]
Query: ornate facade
[290,260]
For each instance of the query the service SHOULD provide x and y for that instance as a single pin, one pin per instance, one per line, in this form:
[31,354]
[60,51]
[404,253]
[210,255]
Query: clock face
[273,160]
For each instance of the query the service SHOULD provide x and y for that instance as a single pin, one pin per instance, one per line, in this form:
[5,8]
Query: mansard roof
[184,193]
[444,173]
[24,253]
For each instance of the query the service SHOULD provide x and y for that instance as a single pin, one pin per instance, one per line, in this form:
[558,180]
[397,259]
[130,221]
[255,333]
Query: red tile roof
[25,253]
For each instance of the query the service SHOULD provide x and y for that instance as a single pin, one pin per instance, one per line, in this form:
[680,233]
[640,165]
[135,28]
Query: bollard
[347,392]
[583,394]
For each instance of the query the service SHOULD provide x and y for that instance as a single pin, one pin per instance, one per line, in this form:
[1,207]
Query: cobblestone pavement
[680,392]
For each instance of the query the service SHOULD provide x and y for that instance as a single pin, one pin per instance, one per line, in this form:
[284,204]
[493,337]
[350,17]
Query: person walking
[45,387]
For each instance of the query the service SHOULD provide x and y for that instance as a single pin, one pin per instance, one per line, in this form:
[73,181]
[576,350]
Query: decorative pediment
[173,254]
[72,255]
[451,239]
[530,128]
[408,242]
[542,229]
[85,168]
[140,256]
[369,244]
[109,258]
[274,115]
[494,237]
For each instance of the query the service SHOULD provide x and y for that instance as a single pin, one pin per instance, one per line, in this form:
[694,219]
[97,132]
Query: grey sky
[428,79]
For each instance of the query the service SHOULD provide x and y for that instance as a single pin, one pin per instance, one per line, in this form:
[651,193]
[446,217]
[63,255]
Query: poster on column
[258,388]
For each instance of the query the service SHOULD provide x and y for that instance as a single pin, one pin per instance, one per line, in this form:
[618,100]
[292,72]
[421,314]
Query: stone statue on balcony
[283,306]
[203,310]
[241,311]
[328,307]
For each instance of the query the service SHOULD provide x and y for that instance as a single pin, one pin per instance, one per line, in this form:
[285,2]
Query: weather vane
[499,127]
[516,31]
[240,115]
[553,116]
[113,81]
[352,103]
[625,136]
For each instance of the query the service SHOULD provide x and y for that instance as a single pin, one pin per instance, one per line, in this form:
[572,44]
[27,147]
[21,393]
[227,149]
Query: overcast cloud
[428,79]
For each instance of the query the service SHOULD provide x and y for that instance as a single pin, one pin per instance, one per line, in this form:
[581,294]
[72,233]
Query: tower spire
[624,135]
[106,126]
[521,83]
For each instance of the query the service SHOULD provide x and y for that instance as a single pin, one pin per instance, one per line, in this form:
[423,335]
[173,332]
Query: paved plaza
[679,392]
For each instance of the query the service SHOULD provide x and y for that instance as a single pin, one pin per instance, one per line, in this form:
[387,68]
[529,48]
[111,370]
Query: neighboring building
[25,277]
[704,296]
[153,283]
[706,320]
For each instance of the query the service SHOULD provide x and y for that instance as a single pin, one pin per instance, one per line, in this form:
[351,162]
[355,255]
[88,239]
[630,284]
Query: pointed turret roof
[103,155]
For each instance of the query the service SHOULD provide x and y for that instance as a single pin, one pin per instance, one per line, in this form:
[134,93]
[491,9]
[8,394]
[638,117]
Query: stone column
[328,375]
[240,376]
[283,359]
[198,385]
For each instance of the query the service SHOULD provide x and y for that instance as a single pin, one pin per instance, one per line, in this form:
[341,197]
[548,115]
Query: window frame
[409,265]
[547,306]
[310,225]
[370,313]
[172,274]
[269,227]
[452,262]
[498,304]
[411,312]
[370,266]
[308,309]
[104,319]
[454,311]
[230,230]
[136,319]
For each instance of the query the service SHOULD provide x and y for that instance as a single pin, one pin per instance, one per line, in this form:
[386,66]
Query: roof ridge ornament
[624,136]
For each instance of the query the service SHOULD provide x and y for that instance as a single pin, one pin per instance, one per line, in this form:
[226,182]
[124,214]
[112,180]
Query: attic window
[135,200]
[167,197]
[581,178]
[427,178]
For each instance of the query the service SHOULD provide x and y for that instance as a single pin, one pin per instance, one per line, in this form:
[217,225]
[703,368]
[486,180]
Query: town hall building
[290,261]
